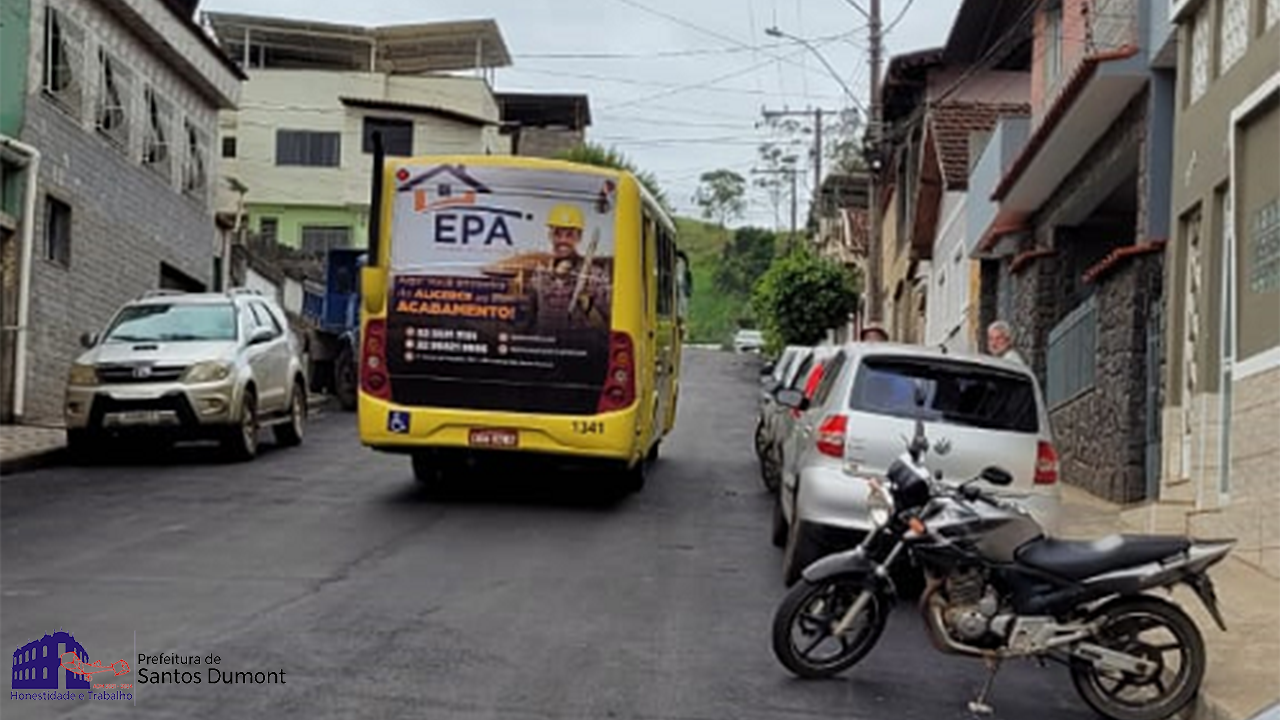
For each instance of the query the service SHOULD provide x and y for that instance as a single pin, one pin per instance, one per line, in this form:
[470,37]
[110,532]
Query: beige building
[296,154]
[1221,420]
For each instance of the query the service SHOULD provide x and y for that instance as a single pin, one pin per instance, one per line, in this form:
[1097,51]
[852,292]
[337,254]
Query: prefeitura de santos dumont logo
[57,667]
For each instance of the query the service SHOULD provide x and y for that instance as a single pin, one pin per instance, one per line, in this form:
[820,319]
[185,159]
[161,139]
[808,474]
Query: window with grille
[57,231]
[318,240]
[1233,33]
[111,114]
[63,60]
[156,152]
[1200,58]
[195,178]
[308,148]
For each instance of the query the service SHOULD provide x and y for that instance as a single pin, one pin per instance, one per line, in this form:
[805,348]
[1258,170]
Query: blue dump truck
[334,315]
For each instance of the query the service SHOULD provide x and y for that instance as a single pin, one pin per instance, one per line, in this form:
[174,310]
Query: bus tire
[426,469]
[634,477]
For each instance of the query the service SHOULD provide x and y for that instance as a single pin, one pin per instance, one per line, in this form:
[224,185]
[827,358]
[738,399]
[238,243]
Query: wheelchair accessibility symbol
[398,422]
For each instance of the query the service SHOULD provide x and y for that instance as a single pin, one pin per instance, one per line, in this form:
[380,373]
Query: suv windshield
[174,323]
[956,393]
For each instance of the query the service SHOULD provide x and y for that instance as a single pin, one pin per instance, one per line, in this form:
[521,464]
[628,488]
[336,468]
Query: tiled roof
[953,122]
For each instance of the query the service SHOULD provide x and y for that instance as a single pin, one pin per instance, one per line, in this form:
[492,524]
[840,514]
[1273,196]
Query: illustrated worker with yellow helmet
[571,291]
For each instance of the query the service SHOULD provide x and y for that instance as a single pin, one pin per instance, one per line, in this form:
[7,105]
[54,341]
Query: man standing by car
[1000,342]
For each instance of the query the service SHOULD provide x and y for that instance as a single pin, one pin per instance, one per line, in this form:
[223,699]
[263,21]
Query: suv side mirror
[767,368]
[793,399]
[260,335]
[88,340]
[997,476]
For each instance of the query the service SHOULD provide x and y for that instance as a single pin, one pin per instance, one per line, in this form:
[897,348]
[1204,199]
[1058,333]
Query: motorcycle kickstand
[979,705]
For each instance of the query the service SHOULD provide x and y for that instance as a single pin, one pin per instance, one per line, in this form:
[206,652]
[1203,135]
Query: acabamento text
[211,676]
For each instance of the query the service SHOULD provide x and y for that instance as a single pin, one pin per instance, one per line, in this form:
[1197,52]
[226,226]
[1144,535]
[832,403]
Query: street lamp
[774,32]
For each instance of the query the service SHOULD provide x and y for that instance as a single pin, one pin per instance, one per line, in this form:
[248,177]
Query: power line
[650,83]
[692,86]
[706,31]
[889,28]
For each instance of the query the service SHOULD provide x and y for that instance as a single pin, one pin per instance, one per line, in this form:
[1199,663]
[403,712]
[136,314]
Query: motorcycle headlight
[879,503]
[82,375]
[204,372]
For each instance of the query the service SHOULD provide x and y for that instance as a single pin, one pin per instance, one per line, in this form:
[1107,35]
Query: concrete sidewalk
[1243,676]
[26,447]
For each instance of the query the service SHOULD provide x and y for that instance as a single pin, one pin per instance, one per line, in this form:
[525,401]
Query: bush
[801,297]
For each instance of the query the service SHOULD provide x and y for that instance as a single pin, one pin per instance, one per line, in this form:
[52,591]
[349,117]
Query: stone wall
[1101,434]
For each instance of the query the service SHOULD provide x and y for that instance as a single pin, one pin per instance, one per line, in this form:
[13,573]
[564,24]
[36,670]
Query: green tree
[722,195]
[801,297]
[589,153]
[744,260]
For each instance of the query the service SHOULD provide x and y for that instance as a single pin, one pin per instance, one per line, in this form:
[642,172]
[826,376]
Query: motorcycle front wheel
[1155,630]
[805,621]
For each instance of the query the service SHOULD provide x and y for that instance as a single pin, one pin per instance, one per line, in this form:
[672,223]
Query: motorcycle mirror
[997,476]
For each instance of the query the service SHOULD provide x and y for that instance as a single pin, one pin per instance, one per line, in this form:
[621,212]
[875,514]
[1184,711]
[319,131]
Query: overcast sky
[708,66]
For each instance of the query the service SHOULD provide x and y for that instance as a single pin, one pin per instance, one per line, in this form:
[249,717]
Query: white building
[296,153]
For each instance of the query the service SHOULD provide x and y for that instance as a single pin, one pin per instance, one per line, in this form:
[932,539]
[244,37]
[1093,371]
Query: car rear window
[956,393]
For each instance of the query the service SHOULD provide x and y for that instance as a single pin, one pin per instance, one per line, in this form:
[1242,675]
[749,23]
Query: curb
[1204,707]
[33,461]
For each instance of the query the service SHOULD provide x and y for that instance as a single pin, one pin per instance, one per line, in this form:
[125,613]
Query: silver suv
[979,411]
[181,366]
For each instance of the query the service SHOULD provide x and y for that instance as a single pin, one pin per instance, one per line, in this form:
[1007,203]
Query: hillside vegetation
[720,304]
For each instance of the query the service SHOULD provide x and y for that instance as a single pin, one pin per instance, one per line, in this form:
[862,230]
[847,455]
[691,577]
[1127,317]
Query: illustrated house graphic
[36,664]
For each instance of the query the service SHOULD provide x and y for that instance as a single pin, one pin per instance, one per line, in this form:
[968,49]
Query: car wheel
[290,434]
[345,382]
[242,438]
[801,551]
[83,445]
[780,530]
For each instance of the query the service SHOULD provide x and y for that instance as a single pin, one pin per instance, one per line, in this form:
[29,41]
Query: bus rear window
[955,393]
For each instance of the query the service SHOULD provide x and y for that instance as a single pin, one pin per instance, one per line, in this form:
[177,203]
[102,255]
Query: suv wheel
[242,438]
[290,434]
[83,444]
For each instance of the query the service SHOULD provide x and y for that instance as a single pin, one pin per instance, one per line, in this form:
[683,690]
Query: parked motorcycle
[997,588]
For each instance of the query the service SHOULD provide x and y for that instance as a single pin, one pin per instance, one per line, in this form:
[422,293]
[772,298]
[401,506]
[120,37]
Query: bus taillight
[373,360]
[619,389]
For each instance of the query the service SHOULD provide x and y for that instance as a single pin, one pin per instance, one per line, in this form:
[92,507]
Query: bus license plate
[489,437]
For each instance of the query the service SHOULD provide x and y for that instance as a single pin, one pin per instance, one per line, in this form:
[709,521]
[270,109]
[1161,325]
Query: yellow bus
[519,305]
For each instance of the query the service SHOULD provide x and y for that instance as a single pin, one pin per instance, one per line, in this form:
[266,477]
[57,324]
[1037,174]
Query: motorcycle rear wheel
[1125,620]
[814,609]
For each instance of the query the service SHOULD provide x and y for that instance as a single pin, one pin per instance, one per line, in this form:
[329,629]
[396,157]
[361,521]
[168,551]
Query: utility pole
[791,171]
[817,148]
[874,259]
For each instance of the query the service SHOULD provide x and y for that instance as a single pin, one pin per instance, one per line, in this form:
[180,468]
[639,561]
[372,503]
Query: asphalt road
[528,597]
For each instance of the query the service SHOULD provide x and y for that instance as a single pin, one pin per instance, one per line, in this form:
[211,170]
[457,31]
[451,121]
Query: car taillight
[619,389]
[373,360]
[1046,464]
[831,435]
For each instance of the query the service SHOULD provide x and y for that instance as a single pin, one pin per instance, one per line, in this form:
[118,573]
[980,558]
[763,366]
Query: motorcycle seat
[1081,559]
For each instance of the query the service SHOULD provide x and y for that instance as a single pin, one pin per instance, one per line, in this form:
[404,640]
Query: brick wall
[126,219]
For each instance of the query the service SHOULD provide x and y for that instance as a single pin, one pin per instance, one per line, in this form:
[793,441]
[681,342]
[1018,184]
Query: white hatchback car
[979,411]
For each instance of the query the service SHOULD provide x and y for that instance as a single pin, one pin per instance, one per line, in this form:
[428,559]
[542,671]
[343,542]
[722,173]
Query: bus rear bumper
[388,427]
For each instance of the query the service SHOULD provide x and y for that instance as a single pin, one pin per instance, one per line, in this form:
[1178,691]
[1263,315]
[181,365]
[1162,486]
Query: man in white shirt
[1000,341]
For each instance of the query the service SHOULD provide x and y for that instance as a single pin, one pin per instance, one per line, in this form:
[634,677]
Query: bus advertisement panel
[501,288]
